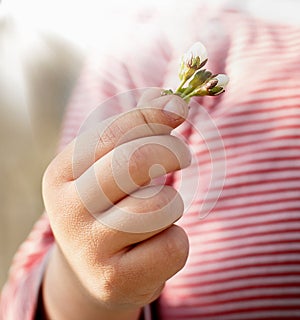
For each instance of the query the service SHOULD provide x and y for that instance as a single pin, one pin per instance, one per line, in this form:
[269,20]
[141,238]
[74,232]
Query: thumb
[174,109]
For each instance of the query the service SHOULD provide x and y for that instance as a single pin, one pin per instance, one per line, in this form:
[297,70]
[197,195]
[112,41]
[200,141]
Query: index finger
[155,115]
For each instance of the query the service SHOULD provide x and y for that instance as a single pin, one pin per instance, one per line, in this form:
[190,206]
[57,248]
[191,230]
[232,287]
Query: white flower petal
[196,50]
[223,80]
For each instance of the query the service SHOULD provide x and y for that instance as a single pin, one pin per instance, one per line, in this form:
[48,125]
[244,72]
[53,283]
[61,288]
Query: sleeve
[20,293]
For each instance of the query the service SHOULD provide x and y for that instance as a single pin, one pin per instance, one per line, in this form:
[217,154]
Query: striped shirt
[242,190]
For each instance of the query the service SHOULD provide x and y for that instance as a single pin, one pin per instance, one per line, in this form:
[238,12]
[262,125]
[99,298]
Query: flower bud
[195,55]
[199,78]
[223,80]
[194,59]
[215,91]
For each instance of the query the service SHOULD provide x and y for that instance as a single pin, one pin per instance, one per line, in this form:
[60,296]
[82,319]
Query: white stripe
[245,190]
[249,293]
[252,199]
[242,220]
[284,175]
[239,105]
[286,166]
[260,302]
[235,263]
[268,42]
[266,115]
[266,47]
[262,166]
[263,78]
[247,151]
[241,232]
[196,211]
[242,196]
[278,57]
[268,314]
[238,252]
[275,88]
[289,42]
[260,150]
[249,128]
[251,137]
[229,244]
[272,87]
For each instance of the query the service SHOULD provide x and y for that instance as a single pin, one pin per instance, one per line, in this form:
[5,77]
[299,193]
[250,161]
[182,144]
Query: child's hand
[108,271]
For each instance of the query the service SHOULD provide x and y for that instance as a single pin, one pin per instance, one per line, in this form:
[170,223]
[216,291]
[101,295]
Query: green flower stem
[186,97]
[181,85]
[191,94]
[187,91]
[187,100]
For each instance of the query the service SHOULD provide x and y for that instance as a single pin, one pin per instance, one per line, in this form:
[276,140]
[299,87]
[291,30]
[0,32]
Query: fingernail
[176,108]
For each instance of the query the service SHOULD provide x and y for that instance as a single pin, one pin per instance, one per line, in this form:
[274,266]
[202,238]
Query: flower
[194,59]
[216,85]
[195,55]
[201,81]
[223,80]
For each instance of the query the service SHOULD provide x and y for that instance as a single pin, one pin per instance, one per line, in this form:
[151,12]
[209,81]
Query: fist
[113,228]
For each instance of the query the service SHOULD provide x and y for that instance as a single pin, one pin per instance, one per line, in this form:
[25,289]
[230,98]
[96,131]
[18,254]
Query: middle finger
[127,168]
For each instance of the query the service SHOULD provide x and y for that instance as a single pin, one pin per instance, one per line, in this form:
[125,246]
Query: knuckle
[167,199]
[138,156]
[180,151]
[120,158]
[120,286]
[147,295]
[53,175]
[142,114]
[147,153]
[153,121]
[108,289]
[110,135]
[139,159]
[49,176]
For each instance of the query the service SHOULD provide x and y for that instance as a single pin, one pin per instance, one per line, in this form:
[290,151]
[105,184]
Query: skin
[96,271]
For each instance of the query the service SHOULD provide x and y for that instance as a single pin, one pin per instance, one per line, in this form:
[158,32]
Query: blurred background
[43,45]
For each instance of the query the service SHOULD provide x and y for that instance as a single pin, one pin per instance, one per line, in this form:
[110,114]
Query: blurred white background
[42,48]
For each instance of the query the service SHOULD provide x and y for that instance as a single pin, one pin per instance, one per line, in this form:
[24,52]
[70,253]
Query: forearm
[64,297]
